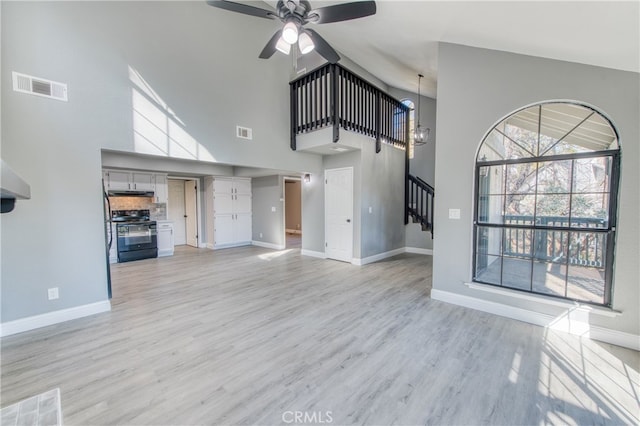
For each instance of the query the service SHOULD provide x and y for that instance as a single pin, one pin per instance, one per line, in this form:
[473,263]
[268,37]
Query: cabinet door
[242,203]
[142,181]
[222,203]
[242,186]
[223,229]
[165,239]
[222,185]
[119,181]
[161,191]
[242,228]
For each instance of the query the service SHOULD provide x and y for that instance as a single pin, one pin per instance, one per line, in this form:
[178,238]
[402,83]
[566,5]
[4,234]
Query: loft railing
[334,96]
[420,205]
[587,246]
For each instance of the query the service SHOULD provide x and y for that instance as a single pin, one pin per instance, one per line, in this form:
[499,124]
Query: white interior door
[176,210]
[190,207]
[338,201]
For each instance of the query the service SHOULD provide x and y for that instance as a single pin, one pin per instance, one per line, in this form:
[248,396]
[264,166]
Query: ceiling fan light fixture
[305,43]
[283,46]
[290,32]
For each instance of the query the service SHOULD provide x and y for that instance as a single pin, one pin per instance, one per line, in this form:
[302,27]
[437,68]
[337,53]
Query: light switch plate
[273,209]
[53,293]
[454,213]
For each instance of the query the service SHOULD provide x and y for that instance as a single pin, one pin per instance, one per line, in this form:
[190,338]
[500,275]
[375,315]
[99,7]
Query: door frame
[198,204]
[352,211]
[284,207]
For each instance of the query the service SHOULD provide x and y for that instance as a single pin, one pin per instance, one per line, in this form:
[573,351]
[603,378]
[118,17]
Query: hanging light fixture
[421,133]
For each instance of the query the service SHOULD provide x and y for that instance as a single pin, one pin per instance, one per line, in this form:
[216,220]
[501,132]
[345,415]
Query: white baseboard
[268,245]
[203,245]
[377,257]
[417,250]
[293,231]
[31,323]
[312,253]
[571,322]
[164,253]
[209,246]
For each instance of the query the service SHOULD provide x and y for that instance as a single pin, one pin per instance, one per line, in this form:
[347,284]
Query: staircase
[419,195]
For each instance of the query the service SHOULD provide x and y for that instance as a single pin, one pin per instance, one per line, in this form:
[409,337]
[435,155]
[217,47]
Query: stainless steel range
[137,235]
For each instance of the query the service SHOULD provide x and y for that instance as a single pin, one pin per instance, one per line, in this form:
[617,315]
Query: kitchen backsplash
[157,211]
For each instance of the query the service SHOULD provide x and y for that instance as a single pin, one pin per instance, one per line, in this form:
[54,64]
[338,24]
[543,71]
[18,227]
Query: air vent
[39,86]
[244,132]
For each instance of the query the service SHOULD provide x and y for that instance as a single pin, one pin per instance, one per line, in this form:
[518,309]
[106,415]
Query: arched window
[412,113]
[545,203]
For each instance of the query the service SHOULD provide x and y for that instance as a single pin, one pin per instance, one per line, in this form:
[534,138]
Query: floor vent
[244,132]
[39,86]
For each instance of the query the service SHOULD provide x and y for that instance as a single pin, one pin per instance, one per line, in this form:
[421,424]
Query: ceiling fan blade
[242,8]
[270,47]
[323,48]
[342,12]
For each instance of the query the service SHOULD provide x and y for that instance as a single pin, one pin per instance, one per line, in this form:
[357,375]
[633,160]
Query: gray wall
[267,193]
[423,163]
[97,48]
[378,181]
[476,89]
[382,189]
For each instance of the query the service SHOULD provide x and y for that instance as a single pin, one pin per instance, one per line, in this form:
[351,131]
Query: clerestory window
[546,184]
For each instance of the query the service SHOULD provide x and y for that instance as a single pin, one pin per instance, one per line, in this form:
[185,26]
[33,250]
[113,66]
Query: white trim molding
[377,257]
[417,250]
[311,253]
[43,320]
[209,246]
[575,320]
[268,245]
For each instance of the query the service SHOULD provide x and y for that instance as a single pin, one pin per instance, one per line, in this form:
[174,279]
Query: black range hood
[12,187]
[130,193]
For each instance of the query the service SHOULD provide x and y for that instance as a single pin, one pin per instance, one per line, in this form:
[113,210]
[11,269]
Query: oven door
[139,236]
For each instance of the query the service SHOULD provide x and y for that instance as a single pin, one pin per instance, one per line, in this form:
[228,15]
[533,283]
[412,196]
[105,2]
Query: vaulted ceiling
[401,40]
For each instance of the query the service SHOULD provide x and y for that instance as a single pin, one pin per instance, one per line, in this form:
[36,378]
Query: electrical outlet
[370,209]
[261,235]
[273,209]
[454,213]
[53,293]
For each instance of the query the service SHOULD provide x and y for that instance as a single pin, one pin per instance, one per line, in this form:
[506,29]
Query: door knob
[348,220]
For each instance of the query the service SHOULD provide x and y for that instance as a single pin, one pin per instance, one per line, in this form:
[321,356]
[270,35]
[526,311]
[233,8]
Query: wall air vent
[244,132]
[39,86]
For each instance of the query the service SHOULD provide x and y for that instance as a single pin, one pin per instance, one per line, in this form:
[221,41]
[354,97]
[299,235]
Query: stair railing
[334,96]
[420,203]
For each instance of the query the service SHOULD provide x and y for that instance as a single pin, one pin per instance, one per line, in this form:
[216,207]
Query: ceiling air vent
[244,132]
[39,86]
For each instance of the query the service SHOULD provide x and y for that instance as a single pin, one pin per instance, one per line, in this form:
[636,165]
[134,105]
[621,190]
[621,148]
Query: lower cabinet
[232,230]
[165,238]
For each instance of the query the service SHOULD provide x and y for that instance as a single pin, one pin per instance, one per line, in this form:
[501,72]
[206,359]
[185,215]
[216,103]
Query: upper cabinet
[142,181]
[161,190]
[118,180]
[126,180]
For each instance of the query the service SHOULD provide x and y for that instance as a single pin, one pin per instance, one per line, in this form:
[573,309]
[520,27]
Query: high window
[545,205]
[412,112]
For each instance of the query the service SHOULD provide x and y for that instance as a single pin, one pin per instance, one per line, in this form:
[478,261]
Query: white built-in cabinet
[228,208]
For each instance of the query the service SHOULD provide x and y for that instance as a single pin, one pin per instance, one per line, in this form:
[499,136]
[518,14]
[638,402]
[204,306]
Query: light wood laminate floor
[250,336]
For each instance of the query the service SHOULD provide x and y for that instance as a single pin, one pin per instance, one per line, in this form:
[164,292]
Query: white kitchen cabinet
[161,190]
[142,181]
[228,211]
[118,180]
[165,238]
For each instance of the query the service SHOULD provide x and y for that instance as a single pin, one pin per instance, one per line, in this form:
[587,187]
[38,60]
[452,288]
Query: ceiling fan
[295,14]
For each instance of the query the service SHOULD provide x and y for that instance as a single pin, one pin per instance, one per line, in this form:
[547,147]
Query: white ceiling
[401,40]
